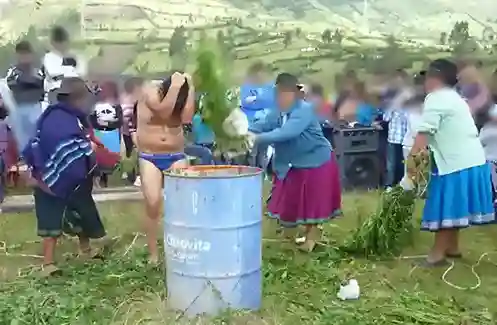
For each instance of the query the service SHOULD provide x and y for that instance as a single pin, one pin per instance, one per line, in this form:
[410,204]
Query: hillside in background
[406,18]
[312,38]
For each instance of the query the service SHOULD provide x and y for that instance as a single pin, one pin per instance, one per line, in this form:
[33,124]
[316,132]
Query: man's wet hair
[59,34]
[182,95]
[24,47]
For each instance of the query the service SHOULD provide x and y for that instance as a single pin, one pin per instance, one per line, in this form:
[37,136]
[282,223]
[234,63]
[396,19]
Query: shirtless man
[160,115]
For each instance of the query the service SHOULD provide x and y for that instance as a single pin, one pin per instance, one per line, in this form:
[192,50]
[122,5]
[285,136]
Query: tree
[221,39]
[178,48]
[391,42]
[231,32]
[489,35]
[337,37]
[177,44]
[6,56]
[326,36]
[465,48]
[385,60]
[71,20]
[443,38]
[459,33]
[298,31]
[287,40]
[33,37]
[202,34]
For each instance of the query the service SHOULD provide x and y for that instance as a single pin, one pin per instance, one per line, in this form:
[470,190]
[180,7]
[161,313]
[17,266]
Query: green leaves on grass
[389,230]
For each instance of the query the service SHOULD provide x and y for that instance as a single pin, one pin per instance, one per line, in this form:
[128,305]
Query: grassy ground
[298,288]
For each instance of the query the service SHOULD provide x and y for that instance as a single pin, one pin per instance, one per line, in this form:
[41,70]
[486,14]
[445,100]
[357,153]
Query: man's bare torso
[156,134]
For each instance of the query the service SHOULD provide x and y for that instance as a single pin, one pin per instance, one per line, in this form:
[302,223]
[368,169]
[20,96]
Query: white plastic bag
[406,183]
[236,124]
[350,291]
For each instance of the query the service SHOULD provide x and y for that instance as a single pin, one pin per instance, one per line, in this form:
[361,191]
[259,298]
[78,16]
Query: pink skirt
[307,196]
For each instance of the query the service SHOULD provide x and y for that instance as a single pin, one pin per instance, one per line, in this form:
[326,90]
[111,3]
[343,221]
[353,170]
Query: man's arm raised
[165,107]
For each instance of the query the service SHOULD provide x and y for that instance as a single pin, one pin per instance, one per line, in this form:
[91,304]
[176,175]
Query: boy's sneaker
[138,182]
[124,175]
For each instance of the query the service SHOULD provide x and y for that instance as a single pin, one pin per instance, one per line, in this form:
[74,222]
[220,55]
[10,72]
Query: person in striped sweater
[62,159]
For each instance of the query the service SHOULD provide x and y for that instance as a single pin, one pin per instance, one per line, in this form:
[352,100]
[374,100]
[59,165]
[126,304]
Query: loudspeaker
[356,150]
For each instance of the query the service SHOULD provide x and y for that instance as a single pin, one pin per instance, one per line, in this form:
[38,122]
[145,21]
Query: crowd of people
[69,133]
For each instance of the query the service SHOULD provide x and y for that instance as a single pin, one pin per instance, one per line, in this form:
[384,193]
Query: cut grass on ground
[298,288]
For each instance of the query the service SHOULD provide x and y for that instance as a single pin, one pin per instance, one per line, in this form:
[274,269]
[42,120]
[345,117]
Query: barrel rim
[179,172]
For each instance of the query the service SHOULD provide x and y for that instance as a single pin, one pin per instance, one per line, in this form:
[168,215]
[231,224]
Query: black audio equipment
[358,157]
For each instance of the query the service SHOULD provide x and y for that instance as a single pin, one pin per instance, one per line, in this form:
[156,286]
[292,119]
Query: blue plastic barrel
[213,238]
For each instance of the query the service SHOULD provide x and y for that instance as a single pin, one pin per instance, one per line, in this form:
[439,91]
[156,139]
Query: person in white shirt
[413,108]
[413,111]
[60,63]
[488,139]
[395,116]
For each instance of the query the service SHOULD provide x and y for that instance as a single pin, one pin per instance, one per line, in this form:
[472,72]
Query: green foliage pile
[388,231]
[125,291]
[86,294]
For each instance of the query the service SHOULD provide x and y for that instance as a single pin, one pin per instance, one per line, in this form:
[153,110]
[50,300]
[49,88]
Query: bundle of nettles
[390,229]
[218,100]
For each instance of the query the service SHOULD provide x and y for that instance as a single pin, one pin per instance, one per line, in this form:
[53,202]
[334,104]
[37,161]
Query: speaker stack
[357,153]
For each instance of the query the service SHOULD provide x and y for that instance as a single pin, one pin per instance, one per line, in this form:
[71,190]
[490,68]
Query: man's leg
[49,212]
[151,186]
[399,164]
[493,170]
[390,165]
[405,155]
[81,202]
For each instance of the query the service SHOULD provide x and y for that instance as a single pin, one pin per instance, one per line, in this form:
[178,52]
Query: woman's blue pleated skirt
[459,199]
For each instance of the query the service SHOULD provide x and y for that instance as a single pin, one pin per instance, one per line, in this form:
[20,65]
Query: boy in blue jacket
[257,93]
[62,160]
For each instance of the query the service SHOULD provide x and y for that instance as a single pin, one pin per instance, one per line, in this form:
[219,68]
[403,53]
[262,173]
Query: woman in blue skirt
[459,191]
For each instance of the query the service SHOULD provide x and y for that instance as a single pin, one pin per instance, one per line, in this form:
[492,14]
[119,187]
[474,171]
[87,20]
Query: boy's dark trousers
[395,164]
